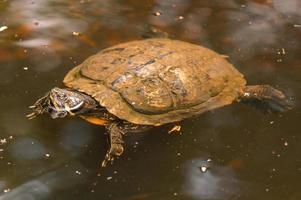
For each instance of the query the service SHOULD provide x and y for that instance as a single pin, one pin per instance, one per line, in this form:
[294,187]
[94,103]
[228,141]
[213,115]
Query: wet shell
[157,81]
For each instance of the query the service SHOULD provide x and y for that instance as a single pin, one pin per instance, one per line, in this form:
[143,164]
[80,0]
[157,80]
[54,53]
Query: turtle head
[58,103]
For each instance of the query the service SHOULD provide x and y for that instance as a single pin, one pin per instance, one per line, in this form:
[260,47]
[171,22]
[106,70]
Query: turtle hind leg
[274,98]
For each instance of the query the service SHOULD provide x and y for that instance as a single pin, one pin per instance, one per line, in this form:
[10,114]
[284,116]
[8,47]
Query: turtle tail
[274,98]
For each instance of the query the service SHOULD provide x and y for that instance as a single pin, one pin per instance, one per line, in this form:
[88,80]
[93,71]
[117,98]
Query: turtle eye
[49,109]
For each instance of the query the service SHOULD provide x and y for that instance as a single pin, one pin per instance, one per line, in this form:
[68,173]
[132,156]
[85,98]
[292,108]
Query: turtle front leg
[116,132]
[276,99]
[116,143]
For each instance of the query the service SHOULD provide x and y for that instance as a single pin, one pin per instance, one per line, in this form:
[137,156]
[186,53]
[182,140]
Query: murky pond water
[236,152]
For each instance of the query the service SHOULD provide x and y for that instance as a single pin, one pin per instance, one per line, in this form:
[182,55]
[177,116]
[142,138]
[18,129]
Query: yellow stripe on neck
[95,120]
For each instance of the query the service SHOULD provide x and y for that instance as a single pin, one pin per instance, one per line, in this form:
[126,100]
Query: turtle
[133,86]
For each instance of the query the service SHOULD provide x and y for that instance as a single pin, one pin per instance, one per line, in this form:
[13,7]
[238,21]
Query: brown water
[244,152]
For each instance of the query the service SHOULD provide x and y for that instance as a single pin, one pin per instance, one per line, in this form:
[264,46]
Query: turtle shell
[157,81]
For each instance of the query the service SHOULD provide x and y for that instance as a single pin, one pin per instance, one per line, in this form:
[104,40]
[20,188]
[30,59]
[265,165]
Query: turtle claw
[36,111]
[108,159]
[32,115]
[115,151]
[38,107]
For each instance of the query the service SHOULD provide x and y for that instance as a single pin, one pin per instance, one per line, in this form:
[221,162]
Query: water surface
[236,152]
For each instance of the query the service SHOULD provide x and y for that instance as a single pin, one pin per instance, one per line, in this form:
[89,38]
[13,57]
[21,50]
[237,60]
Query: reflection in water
[50,182]
[195,24]
[45,21]
[168,12]
[291,7]
[2,185]
[27,149]
[258,30]
[75,138]
[206,181]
